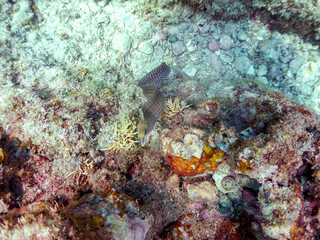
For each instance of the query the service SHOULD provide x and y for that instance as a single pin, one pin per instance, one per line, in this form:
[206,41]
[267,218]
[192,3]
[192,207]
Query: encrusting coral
[186,153]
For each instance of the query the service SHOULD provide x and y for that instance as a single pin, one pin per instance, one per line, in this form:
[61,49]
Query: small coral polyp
[228,183]
[209,161]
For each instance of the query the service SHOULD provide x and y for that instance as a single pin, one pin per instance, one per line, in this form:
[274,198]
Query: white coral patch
[193,145]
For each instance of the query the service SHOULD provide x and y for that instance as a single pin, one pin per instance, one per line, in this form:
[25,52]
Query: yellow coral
[107,94]
[3,156]
[209,161]
[175,107]
[125,136]
[243,166]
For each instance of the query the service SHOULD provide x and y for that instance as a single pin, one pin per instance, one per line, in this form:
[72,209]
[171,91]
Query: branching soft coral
[174,107]
[125,136]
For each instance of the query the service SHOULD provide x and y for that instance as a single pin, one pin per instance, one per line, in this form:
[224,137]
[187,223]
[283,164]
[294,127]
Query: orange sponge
[209,161]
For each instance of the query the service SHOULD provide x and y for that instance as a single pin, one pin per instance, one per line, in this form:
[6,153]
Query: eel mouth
[142,130]
[143,140]
[143,137]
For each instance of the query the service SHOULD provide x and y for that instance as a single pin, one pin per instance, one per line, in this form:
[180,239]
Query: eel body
[154,106]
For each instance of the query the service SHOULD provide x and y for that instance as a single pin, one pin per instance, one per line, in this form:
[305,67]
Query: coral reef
[300,16]
[265,187]
[234,155]
[271,153]
[109,216]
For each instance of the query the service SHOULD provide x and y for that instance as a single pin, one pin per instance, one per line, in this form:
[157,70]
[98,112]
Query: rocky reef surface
[234,155]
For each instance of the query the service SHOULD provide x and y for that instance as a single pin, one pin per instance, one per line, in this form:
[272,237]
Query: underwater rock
[146,47]
[158,52]
[263,80]
[204,115]
[295,64]
[191,144]
[178,48]
[242,64]
[282,208]
[115,214]
[230,28]
[215,227]
[121,42]
[270,49]
[203,192]
[34,221]
[303,13]
[307,75]
[223,139]
[242,36]
[282,156]
[162,34]
[107,216]
[262,70]
[173,181]
[189,71]
[226,42]
[191,47]
[225,207]
[226,57]
[213,45]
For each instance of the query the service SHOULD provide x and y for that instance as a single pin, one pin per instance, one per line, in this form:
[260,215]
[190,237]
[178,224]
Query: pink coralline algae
[204,115]
[213,45]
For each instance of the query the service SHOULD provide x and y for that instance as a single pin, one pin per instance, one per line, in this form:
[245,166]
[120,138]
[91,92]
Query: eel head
[142,128]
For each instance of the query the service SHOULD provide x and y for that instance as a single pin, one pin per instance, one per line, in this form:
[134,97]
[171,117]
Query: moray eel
[154,106]
[156,76]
